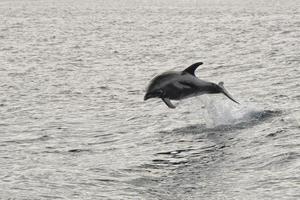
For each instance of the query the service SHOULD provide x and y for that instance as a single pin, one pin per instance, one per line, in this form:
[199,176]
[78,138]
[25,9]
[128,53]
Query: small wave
[224,117]
[248,120]
[30,140]
[78,150]
[279,160]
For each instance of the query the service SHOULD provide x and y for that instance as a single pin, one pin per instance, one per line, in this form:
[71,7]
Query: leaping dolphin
[180,85]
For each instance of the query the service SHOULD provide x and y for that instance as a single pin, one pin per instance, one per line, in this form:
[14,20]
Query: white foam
[218,112]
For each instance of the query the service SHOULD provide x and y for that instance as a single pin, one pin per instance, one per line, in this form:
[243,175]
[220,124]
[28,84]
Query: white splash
[218,112]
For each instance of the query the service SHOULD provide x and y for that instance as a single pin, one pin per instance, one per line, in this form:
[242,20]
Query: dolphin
[174,85]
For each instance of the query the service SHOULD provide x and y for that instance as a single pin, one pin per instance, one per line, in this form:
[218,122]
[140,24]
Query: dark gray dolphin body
[180,85]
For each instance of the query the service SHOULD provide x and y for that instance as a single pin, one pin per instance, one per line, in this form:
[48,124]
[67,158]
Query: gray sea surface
[73,123]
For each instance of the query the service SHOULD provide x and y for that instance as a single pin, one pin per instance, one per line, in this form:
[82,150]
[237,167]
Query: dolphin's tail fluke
[226,93]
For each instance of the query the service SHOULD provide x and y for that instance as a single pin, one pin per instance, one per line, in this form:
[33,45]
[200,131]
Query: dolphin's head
[156,85]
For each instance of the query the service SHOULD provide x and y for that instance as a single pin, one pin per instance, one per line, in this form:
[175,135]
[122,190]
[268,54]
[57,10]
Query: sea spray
[218,112]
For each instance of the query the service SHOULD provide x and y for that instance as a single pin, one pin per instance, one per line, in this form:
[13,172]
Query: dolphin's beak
[147,96]
[152,94]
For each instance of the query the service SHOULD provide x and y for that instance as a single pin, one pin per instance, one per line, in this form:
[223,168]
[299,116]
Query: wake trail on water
[220,113]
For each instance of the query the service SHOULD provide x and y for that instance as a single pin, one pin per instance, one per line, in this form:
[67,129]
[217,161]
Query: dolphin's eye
[157,92]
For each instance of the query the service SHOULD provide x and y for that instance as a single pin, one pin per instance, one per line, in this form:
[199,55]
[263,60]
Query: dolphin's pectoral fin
[168,103]
[191,69]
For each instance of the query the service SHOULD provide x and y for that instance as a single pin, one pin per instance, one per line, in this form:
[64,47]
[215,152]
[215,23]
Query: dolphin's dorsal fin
[191,69]
[168,103]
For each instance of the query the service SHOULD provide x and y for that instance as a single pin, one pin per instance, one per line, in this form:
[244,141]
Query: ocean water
[73,123]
